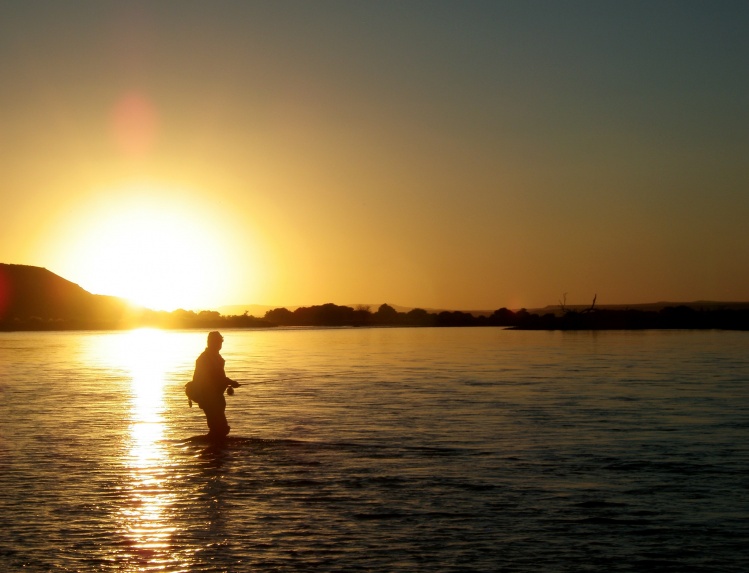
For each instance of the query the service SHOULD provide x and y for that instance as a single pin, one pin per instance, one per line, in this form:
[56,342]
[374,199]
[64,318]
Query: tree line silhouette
[682,316]
[33,298]
[332,315]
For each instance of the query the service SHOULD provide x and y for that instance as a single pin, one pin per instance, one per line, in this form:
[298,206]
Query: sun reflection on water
[148,512]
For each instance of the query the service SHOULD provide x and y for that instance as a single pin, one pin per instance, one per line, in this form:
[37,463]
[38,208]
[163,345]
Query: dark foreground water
[378,450]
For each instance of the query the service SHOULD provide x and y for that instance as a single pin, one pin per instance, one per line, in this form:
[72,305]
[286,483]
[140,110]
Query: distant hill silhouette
[33,296]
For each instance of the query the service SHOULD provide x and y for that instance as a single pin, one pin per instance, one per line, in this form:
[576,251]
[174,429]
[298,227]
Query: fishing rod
[230,389]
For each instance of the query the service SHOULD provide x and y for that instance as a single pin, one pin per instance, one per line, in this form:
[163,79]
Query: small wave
[600,520]
[594,504]
[379,516]
[367,449]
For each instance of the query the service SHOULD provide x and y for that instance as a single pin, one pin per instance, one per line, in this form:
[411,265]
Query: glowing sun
[156,249]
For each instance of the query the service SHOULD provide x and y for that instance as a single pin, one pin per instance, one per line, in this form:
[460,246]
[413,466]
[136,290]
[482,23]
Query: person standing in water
[209,383]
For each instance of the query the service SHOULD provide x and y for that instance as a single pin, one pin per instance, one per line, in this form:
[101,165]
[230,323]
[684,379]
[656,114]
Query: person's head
[215,340]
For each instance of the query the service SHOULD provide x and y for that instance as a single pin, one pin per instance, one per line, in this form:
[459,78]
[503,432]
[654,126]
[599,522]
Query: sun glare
[160,250]
[152,258]
[148,355]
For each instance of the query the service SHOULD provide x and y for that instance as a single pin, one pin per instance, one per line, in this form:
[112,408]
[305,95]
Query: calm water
[378,450]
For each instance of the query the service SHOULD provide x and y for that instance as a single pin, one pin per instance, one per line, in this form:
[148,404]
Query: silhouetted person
[209,382]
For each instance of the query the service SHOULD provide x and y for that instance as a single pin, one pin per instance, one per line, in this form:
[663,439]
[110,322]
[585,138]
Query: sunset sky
[465,155]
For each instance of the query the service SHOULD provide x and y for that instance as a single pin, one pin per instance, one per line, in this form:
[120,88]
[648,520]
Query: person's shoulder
[211,355]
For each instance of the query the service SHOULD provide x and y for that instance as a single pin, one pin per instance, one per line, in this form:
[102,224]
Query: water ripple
[377,450]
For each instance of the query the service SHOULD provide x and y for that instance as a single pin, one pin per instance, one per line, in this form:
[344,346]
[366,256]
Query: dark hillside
[33,295]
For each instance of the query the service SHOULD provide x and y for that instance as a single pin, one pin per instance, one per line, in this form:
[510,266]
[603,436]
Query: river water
[423,449]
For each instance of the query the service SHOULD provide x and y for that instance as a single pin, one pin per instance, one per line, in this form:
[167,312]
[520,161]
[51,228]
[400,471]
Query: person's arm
[228,381]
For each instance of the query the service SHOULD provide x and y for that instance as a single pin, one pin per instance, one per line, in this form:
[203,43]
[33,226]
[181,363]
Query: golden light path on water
[148,511]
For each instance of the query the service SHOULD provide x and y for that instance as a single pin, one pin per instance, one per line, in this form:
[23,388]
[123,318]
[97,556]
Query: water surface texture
[447,449]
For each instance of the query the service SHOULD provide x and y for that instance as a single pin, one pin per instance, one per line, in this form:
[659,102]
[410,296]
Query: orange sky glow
[443,155]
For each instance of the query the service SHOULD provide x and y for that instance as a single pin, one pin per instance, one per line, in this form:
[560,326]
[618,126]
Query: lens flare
[134,124]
